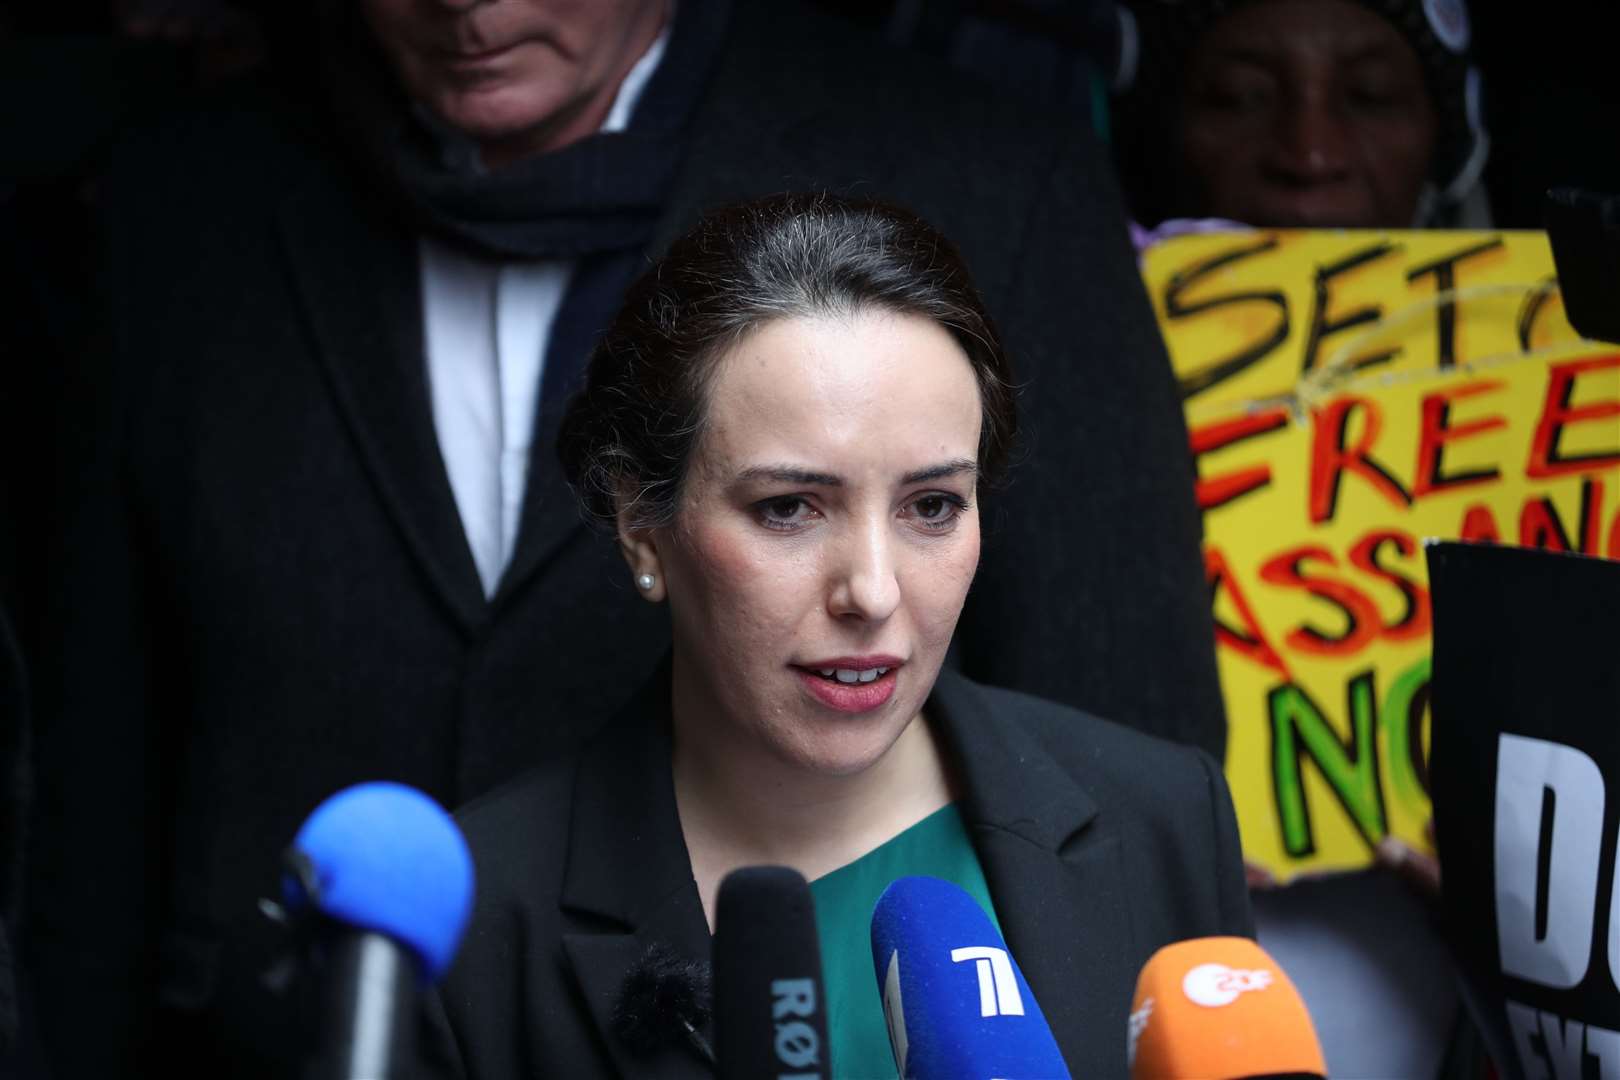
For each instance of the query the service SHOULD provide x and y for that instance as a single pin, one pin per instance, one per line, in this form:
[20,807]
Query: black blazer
[264,592]
[1099,845]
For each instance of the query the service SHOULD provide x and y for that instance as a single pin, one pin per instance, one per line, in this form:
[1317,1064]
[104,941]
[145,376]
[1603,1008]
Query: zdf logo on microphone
[1214,985]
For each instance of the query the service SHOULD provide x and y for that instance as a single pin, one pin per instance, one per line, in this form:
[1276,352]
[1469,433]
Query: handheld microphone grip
[367,1008]
[1219,1008]
[957,1006]
[384,880]
[770,1005]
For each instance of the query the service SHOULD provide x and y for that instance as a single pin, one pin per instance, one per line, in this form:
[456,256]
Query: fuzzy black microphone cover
[664,1000]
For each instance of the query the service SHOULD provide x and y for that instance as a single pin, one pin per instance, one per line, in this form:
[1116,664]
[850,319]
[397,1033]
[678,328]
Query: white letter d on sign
[1533,774]
[998,988]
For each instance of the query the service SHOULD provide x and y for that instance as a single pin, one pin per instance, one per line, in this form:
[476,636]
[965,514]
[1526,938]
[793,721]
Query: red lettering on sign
[1248,640]
[1557,413]
[1361,618]
[1218,490]
[1541,527]
[1479,525]
[1435,433]
[1417,616]
[1592,515]
[1331,459]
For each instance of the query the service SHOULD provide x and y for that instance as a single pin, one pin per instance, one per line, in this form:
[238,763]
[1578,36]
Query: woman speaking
[788,428]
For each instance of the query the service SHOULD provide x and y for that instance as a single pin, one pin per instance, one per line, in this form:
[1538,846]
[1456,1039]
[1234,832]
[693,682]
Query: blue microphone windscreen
[387,858]
[957,1006]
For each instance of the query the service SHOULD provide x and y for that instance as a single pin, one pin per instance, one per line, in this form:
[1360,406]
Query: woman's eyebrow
[788,474]
[793,474]
[954,467]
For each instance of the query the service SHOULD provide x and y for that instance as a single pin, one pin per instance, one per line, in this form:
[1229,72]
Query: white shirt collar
[636,79]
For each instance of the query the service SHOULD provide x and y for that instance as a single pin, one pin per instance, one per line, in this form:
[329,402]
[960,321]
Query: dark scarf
[604,194]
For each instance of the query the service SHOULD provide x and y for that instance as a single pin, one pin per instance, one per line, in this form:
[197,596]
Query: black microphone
[380,880]
[770,1008]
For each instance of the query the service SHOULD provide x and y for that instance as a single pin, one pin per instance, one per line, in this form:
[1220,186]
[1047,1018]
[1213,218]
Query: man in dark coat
[280,576]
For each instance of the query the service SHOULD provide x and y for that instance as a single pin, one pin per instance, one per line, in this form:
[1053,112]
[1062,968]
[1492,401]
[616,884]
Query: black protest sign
[1525,767]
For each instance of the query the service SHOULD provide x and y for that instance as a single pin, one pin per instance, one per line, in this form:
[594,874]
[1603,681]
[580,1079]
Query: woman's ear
[639,546]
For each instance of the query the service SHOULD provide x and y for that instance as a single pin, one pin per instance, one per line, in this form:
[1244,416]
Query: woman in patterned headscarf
[1302,112]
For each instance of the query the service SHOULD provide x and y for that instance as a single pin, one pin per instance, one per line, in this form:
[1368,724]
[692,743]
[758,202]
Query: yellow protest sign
[1347,395]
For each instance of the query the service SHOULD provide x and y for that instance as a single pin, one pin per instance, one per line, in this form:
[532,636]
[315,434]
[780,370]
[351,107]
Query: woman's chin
[843,752]
[837,764]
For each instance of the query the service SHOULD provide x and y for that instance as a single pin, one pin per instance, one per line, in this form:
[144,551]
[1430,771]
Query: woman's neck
[746,809]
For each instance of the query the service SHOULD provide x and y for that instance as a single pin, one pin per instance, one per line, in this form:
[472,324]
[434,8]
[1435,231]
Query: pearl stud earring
[645,582]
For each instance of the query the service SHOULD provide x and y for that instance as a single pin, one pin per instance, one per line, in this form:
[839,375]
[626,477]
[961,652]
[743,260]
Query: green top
[937,846]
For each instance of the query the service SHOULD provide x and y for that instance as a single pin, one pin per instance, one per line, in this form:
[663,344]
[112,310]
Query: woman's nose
[865,581]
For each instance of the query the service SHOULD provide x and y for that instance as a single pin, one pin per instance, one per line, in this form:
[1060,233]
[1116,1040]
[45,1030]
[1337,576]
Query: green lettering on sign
[1405,710]
[1300,730]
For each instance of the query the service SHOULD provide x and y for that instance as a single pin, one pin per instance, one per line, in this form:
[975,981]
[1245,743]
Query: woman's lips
[855,697]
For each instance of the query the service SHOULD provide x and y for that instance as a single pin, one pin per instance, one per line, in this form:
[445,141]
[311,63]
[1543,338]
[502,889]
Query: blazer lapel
[628,881]
[550,516]
[357,279]
[1056,877]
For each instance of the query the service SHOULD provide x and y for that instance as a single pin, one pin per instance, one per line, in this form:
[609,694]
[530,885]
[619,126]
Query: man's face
[1309,113]
[518,76]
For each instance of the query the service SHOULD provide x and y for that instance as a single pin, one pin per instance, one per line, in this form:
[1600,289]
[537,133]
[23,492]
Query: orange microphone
[1219,1008]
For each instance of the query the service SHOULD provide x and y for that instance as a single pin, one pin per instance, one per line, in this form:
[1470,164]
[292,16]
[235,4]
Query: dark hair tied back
[630,431]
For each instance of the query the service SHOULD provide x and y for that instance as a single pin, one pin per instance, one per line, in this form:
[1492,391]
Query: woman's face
[826,537]
[1309,113]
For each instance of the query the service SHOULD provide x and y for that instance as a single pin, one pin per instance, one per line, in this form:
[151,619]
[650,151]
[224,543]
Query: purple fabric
[1145,238]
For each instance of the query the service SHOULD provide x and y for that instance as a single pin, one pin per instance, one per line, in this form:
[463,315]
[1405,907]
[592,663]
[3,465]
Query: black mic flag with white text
[1525,770]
